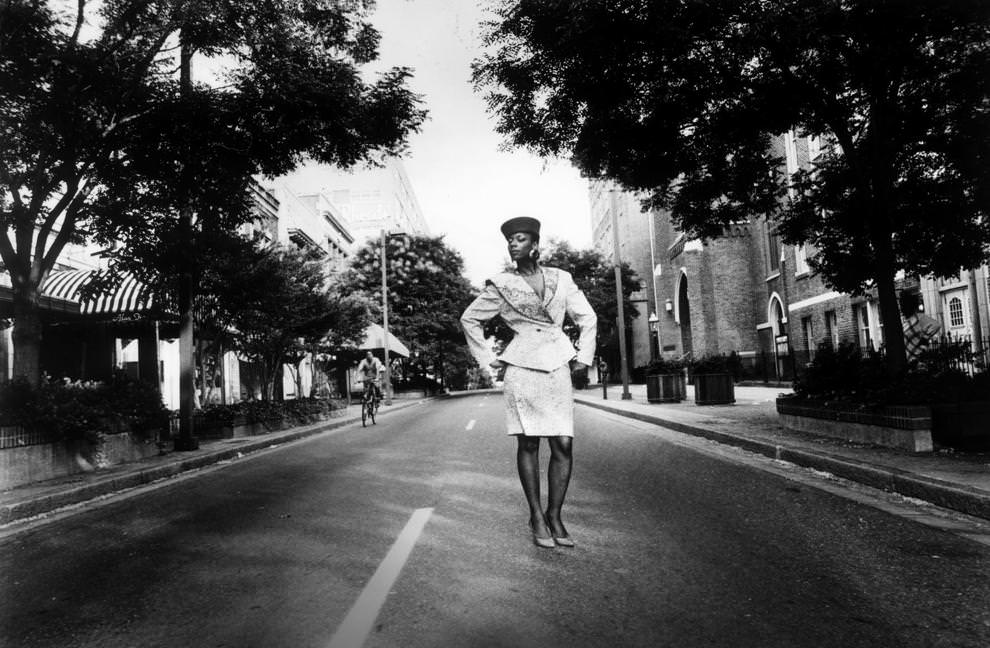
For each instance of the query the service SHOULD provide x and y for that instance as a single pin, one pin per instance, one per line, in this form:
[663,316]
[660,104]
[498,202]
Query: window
[809,333]
[832,328]
[862,317]
[814,147]
[773,257]
[801,260]
[956,313]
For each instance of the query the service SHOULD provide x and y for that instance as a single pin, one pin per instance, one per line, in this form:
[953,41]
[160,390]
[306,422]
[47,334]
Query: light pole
[621,318]
[388,369]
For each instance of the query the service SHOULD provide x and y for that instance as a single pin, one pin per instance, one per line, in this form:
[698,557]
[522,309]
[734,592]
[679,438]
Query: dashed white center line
[470,425]
[356,626]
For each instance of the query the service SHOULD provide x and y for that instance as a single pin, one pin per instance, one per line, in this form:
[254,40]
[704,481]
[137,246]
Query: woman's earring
[533,253]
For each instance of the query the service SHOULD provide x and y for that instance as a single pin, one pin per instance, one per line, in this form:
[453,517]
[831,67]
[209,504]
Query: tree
[277,304]
[427,292]
[95,133]
[595,276]
[681,100]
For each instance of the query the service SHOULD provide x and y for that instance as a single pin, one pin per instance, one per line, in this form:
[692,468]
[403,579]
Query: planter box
[964,426]
[409,394]
[908,427]
[714,389]
[35,463]
[665,388]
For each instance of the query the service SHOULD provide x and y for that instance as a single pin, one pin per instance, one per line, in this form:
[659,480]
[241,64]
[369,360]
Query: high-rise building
[634,249]
[371,199]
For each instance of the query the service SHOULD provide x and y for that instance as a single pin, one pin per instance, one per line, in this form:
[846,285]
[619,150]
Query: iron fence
[965,354]
[14,436]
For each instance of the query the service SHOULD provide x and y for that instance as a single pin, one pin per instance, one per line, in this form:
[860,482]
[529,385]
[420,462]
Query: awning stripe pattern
[125,298]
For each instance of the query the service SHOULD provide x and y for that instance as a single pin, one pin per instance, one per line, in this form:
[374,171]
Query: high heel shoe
[545,543]
[563,540]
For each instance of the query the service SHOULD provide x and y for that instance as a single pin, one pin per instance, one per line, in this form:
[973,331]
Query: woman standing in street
[539,361]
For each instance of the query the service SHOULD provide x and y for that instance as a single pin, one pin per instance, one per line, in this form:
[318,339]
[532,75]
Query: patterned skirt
[538,403]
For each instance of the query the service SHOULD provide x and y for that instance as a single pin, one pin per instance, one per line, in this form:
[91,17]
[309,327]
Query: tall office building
[634,238]
[371,199]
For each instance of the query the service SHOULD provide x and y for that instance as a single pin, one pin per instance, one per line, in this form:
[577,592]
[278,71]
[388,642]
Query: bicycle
[369,404]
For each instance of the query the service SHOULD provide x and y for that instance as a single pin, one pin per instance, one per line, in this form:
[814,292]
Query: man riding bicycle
[370,370]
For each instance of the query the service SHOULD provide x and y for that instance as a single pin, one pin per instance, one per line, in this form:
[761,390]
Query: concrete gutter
[941,493]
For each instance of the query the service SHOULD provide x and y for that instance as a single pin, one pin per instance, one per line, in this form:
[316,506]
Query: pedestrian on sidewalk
[538,364]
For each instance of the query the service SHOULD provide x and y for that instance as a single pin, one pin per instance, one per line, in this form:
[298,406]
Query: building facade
[748,293]
[89,339]
[370,199]
[634,242]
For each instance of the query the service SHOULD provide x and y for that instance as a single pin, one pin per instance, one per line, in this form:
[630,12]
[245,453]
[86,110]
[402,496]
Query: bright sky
[465,185]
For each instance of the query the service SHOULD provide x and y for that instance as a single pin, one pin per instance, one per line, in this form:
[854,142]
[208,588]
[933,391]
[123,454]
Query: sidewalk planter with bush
[60,428]
[844,394]
[252,418]
[665,381]
[908,427]
[713,381]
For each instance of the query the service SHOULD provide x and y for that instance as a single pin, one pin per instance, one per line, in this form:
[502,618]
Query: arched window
[956,312]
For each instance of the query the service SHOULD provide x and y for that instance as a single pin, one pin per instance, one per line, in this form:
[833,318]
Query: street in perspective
[504,324]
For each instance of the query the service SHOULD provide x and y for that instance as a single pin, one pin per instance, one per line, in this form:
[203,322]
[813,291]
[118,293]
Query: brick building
[746,292]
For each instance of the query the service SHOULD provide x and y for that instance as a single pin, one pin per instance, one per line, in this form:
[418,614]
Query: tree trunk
[27,334]
[895,355]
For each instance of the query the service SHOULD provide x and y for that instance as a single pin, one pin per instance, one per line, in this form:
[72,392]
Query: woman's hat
[520,224]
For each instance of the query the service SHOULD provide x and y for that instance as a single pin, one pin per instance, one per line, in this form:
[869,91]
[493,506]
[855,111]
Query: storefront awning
[374,338]
[127,297]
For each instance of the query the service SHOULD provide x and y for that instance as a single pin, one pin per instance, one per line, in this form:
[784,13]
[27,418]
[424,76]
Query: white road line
[356,626]
[470,425]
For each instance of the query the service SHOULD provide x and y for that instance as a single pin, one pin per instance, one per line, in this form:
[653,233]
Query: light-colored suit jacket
[540,342]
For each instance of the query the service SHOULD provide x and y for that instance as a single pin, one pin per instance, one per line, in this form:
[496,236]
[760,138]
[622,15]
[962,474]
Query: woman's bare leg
[559,477]
[528,463]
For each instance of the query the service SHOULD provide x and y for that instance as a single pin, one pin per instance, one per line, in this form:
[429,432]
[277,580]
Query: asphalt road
[413,533]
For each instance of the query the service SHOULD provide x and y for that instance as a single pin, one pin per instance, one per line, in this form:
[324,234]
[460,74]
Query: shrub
[298,411]
[66,410]
[715,363]
[845,374]
[663,365]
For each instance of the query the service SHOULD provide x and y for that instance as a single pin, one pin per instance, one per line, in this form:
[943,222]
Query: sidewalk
[960,481]
[44,497]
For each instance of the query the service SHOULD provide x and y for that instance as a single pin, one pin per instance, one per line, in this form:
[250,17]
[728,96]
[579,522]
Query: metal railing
[14,436]
[966,354]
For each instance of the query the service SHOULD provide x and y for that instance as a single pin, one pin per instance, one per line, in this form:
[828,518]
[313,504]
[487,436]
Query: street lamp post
[621,318]
[388,369]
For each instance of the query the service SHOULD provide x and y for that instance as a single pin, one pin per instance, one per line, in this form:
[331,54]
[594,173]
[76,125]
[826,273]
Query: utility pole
[621,319]
[187,368]
[388,369]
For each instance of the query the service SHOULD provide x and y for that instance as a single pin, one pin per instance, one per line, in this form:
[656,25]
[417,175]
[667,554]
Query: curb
[16,511]
[940,493]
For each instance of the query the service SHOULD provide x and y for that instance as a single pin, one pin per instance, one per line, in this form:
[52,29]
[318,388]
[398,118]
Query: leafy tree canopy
[276,303]
[427,292]
[98,134]
[595,276]
[681,100]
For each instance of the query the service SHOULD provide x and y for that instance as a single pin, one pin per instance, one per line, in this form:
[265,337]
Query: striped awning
[127,297]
